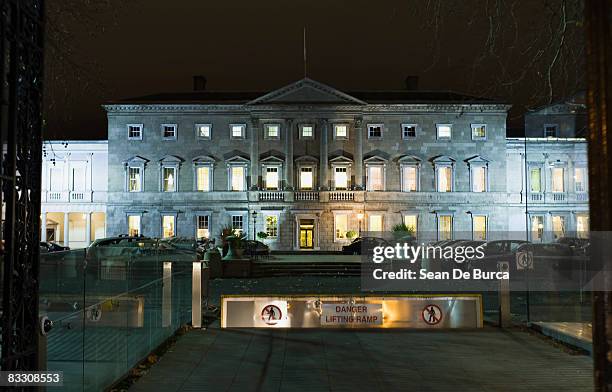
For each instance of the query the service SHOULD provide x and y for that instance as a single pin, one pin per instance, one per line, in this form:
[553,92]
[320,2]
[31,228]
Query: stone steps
[270,268]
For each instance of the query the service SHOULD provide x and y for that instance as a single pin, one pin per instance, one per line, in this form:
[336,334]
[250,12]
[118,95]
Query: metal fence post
[505,318]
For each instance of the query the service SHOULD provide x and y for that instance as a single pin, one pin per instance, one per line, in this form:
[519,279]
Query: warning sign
[432,314]
[351,315]
[271,314]
[524,260]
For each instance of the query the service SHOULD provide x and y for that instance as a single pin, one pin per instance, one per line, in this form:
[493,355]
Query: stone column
[88,228]
[66,228]
[323,160]
[288,169]
[43,226]
[254,136]
[358,154]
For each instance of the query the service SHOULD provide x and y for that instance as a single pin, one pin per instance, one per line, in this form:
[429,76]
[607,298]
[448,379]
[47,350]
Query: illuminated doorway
[306,233]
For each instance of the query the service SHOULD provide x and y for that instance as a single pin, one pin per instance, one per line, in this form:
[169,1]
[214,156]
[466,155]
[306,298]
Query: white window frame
[347,215]
[197,131]
[174,216]
[208,216]
[279,171]
[244,222]
[585,180]
[585,233]
[244,176]
[416,215]
[473,167]
[127,222]
[563,178]
[370,127]
[439,223]
[348,176]
[540,167]
[335,133]
[314,177]
[140,174]
[140,126]
[369,166]
[175,169]
[438,137]
[437,180]
[301,129]
[277,228]
[369,220]
[565,217]
[404,136]
[267,127]
[196,177]
[416,167]
[486,222]
[174,134]
[242,132]
[474,127]
[134,162]
[543,237]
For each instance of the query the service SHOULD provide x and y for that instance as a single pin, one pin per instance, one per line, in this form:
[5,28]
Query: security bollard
[196,295]
[505,318]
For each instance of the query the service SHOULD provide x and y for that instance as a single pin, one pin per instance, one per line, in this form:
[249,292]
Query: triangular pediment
[307,91]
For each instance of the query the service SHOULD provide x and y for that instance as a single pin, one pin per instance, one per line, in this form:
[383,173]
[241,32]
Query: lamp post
[359,218]
[254,225]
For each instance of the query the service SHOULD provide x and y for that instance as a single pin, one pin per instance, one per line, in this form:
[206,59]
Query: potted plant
[262,235]
[401,231]
[351,234]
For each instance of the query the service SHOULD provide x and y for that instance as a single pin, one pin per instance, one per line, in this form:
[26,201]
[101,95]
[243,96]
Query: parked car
[49,247]
[502,247]
[255,248]
[355,247]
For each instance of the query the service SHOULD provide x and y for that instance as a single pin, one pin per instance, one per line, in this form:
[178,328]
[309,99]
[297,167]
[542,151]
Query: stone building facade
[312,166]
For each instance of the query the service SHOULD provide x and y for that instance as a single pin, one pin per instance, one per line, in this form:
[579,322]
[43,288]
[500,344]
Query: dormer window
[169,131]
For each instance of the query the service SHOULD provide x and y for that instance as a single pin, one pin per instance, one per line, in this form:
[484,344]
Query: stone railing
[341,196]
[271,196]
[306,196]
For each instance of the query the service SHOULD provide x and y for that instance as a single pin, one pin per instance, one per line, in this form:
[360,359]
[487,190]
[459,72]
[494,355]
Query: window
[238,131]
[580,177]
[272,131]
[535,180]
[203,226]
[444,131]
[169,179]
[203,174]
[237,182]
[134,225]
[168,226]
[272,178]
[444,178]
[272,226]
[558,226]
[134,181]
[203,131]
[307,131]
[558,181]
[340,178]
[445,227]
[340,131]
[409,179]
[169,131]
[306,178]
[375,131]
[375,223]
[134,131]
[376,178]
[56,181]
[79,179]
[479,227]
[237,224]
[537,228]
[479,179]
[479,131]
[582,226]
[340,226]
[410,221]
[409,131]
[550,130]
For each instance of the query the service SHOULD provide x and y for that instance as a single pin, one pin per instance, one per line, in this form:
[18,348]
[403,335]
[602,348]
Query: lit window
[341,226]
[341,178]
[479,179]
[168,226]
[203,178]
[272,178]
[135,182]
[580,177]
[375,131]
[203,131]
[169,179]
[537,228]
[134,131]
[558,182]
[238,131]
[169,131]
[306,178]
[203,229]
[272,131]
[550,130]
[340,131]
[582,226]
[479,131]
[409,178]
[444,131]
[445,227]
[558,226]
[376,181]
[375,223]
[272,226]
[134,225]
[479,227]
[237,224]
[408,131]
[307,132]
[237,178]
[410,221]
[444,178]
[535,180]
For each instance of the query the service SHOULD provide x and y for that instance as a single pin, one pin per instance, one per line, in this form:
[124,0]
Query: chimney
[199,83]
[412,82]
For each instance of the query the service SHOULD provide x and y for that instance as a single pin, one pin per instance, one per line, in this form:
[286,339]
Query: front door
[306,234]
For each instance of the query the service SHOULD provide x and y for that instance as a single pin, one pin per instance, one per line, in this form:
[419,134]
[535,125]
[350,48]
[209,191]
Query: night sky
[110,51]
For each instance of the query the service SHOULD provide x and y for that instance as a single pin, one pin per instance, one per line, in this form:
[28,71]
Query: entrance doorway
[306,233]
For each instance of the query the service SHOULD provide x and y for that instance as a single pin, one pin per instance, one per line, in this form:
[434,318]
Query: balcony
[271,196]
[342,196]
[306,196]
